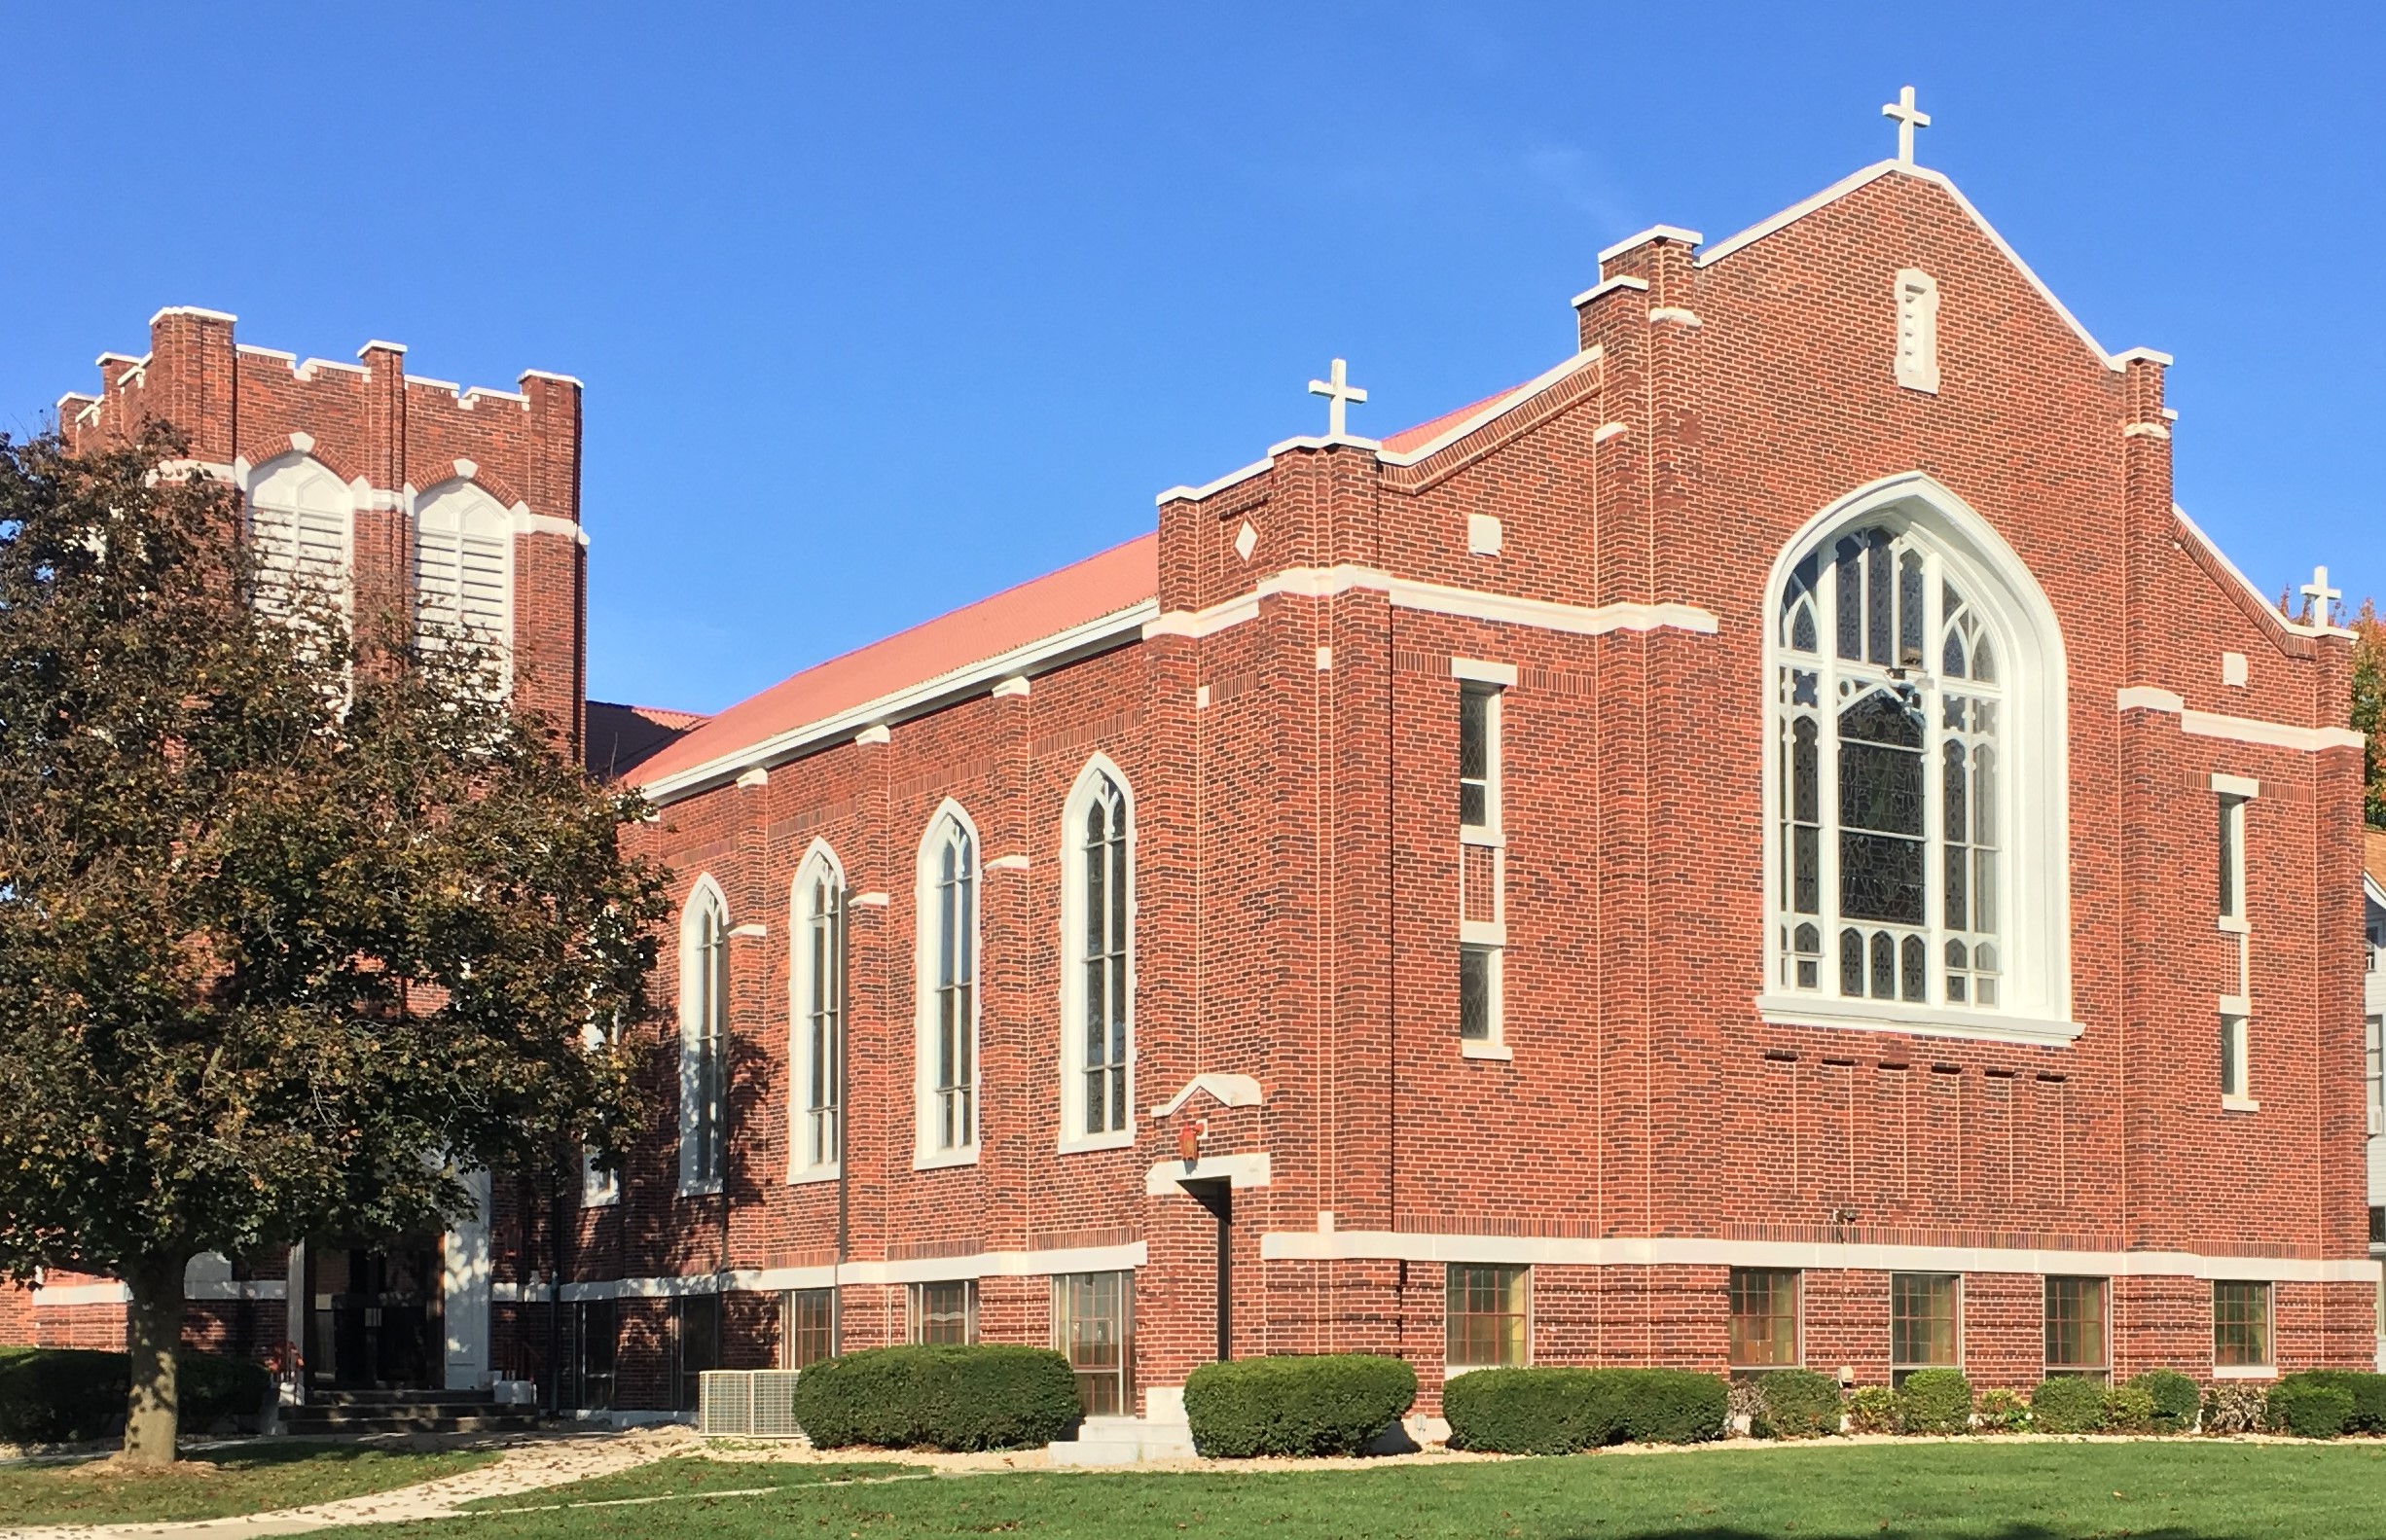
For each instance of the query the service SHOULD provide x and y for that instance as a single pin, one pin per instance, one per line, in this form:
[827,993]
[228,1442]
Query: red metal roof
[1408,438]
[1115,579]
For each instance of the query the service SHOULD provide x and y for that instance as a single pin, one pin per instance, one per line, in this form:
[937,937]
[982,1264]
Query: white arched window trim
[463,572]
[812,1154]
[929,1102]
[302,520]
[1074,984]
[2034,1002]
[704,1004]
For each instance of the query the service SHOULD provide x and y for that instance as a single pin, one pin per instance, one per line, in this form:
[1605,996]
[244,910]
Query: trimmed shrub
[2177,1399]
[1872,1409]
[1296,1405]
[2066,1403]
[60,1395]
[2367,1391]
[1796,1404]
[2233,1407]
[2128,1408]
[216,1390]
[1563,1410]
[1319,1403]
[991,1396]
[73,1395]
[2002,1411]
[2308,1410]
[1935,1401]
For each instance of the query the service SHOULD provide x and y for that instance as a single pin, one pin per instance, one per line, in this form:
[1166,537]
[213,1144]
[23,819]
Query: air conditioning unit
[747,1404]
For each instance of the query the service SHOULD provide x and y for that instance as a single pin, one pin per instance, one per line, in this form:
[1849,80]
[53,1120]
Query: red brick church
[1771,841]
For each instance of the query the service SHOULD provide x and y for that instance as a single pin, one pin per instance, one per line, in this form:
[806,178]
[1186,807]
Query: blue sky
[882,309]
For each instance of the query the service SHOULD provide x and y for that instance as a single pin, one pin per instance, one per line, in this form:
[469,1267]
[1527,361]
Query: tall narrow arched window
[948,973]
[703,1039]
[1097,940]
[464,573]
[1917,842]
[816,1035]
[302,526]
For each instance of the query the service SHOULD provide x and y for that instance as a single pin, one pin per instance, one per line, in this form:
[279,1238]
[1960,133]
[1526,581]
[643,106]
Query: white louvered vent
[299,516]
[463,572]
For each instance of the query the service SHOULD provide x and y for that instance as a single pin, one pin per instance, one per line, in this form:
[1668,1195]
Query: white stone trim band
[1379,1245]
[1577,620]
[2238,729]
[917,1269]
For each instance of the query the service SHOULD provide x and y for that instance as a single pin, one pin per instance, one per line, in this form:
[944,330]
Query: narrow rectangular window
[1925,1322]
[2378,1224]
[1479,756]
[2236,1077]
[1487,1312]
[807,1327]
[1765,1318]
[824,1026]
[2232,843]
[1478,993]
[595,1336]
[944,1312]
[2240,1324]
[696,1344]
[2373,1071]
[1092,1325]
[2076,1327]
[712,1030]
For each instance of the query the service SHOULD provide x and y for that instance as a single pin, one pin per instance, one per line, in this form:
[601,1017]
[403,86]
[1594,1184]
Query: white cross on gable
[2323,597]
[1910,118]
[1338,392]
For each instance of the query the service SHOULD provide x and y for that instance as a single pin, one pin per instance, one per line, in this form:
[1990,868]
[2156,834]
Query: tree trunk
[153,1330]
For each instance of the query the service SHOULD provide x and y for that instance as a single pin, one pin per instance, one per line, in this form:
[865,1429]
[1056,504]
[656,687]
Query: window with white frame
[2373,1070]
[598,1187]
[1917,330]
[942,1313]
[816,1001]
[302,526]
[703,1039]
[464,574]
[2229,840]
[1097,940]
[948,973]
[1482,856]
[1917,821]
[2240,1324]
[2236,1054]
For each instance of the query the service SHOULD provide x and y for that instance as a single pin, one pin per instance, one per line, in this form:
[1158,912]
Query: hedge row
[1325,1404]
[1560,1410]
[72,1395]
[1796,1403]
[991,1396]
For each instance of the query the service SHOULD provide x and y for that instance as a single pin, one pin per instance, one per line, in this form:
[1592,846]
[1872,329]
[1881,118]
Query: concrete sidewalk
[526,1467]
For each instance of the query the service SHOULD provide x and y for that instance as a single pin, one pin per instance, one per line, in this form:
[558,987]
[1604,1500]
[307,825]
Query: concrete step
[1162,1433]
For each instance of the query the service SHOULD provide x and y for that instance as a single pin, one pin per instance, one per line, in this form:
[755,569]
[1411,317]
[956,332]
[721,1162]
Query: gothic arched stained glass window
[1889,697]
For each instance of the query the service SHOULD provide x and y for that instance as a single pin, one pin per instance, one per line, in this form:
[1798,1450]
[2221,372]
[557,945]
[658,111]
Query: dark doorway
[374,1319]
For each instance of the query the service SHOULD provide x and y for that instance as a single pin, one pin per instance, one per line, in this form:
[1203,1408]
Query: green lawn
[2179,1490]
[216,1484]
[685,1477]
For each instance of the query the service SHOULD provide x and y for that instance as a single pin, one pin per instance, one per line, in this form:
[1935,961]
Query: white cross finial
[2323,597]
[1910,118]
[1338,392]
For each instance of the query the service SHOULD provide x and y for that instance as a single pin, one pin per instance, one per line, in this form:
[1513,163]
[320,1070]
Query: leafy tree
[2369,708]
[294,931]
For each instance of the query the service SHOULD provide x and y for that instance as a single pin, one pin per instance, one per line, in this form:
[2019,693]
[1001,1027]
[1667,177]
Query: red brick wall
[1297,875]
[240,405]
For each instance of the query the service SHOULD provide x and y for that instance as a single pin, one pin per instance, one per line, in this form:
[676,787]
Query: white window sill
[600,1201]
[806,1176]
[1479,834]
[938,1159]
[700,1190]
[1468,1049]
[1115,1139]
[2236,925]
[2244,1372]
[1921,1020]
[1450,1371]
[2239,1104]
